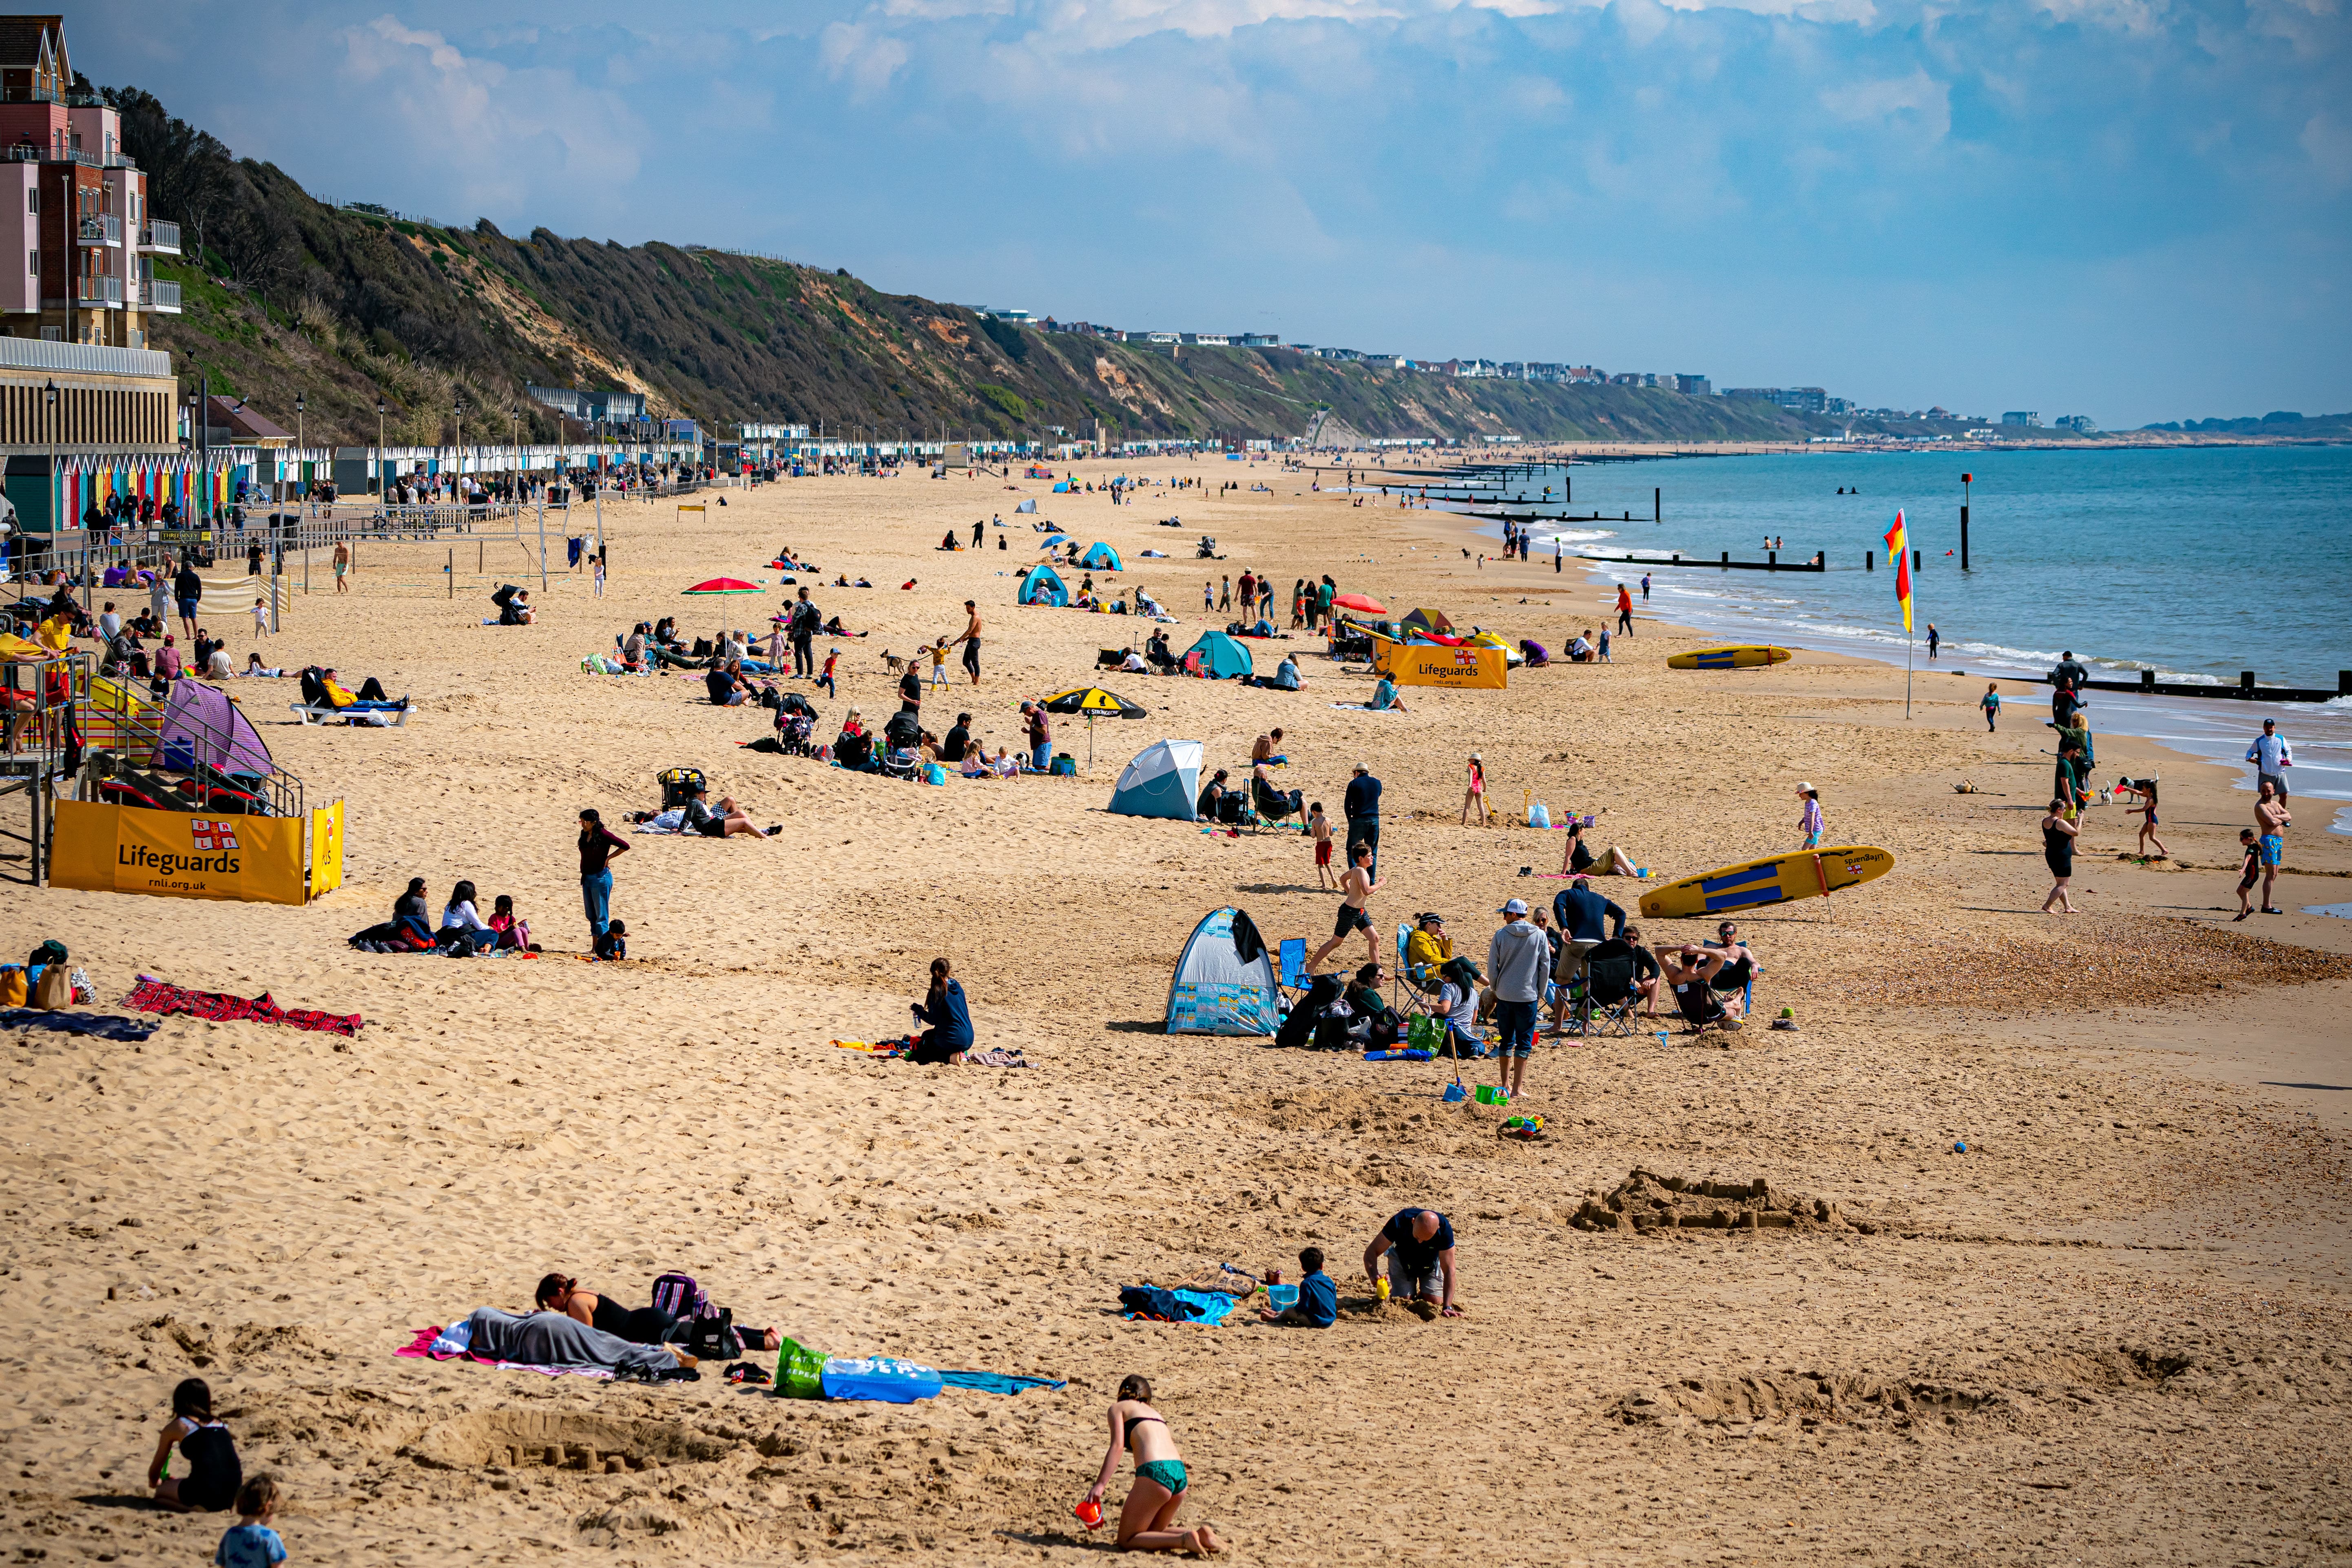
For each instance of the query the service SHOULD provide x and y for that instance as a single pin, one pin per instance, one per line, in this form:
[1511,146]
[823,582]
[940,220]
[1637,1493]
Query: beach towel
[997,1382]
[153,995]
[548,1343]
[105,1025]
[1364,708]
[1151,1303]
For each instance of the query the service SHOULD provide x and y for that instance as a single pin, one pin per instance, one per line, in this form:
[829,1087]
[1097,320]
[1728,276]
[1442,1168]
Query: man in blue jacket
[1581,914]
[1362,806]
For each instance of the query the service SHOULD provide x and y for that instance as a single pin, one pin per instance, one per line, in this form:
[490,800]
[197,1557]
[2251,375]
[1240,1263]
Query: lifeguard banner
[1467,667]
[125,850]
[327,848]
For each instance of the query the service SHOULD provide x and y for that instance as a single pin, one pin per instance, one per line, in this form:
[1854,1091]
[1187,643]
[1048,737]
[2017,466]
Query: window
[33,263]
[33,199]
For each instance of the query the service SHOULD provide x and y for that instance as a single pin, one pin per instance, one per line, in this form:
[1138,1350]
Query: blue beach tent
[1162,781]
[1045,587]
[1224,982]
[1101,557]
[1221,657]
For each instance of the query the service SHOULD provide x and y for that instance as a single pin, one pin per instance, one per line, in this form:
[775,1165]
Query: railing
[157,295]
[99,289]
[160,235]
[101,229]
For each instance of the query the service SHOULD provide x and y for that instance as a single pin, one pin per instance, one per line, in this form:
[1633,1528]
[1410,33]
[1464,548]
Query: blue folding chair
[1293,953]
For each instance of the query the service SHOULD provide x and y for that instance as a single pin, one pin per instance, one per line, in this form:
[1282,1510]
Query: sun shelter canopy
[1221,657]
[1044,586]
[1054,543]
[1101,557]
[1429,621]
[1162,781]
[726,586]
[1224,982]
[1095,701]
[202,725]
[1029,505]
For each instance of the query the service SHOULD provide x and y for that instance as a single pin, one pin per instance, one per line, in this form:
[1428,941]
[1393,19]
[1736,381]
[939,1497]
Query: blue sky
[2133,209]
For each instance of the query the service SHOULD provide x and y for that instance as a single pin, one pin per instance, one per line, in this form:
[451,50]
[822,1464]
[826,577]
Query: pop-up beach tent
[200,725]
[1029,505]
[1101,557]
[1162,781]
[1224,982]
[1044,586]
[1221,657]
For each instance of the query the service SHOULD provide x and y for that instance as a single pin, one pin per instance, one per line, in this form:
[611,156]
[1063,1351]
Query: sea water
[2198,562]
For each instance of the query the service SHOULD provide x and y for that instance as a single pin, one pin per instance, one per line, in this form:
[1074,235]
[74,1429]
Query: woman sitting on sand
[1147,1520]
[462,926]
[214,1472]
[950,1035]
[1578,859]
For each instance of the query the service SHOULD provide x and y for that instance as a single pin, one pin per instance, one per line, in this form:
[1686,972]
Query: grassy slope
[425,318]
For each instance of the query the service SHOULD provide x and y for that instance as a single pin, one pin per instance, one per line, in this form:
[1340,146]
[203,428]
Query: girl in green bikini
[1147,1522]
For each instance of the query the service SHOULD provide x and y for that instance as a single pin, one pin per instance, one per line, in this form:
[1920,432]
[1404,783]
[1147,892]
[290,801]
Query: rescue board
[1779,880]
[1745,656]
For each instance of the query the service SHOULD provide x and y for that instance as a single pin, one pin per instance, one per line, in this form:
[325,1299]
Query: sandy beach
[2114,1330]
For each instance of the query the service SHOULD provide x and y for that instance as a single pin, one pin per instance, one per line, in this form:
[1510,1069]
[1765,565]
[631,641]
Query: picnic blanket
[159,996]
[105,1025]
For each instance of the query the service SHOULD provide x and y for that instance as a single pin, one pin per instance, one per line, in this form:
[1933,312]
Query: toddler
[250,1542]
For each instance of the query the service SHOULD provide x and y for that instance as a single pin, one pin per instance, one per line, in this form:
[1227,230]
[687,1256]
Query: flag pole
[1906,672]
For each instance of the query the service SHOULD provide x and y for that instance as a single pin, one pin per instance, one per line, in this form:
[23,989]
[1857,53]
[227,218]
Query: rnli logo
[1465,658]
[211,837]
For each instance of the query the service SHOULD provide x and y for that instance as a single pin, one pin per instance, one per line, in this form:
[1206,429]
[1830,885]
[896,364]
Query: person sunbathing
[833,629]
[252,667]
[640,1326]
[369,694]
[724,821]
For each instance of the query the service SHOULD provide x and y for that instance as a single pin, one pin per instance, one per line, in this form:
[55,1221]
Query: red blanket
[153,995]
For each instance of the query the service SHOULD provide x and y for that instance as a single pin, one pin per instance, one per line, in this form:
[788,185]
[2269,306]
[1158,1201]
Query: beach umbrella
[1360,602]
[726,586]
[1056,542]
[1093,703]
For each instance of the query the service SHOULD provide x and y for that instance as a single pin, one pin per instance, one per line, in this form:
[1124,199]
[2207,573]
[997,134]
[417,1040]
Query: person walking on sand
[1208,596]
[1990,703]
[2271,757]
[2248,873]
[1361,806]
[1626,610]
[343,565]
[1356,887]
[1318,827]
[2144,787]
[970,637]
[2270,818]
[1646,587]
[1474,798]
[802,629]
[1225,601]
[1147,1522]
[2058,850]
[1934,639]
[1810,820]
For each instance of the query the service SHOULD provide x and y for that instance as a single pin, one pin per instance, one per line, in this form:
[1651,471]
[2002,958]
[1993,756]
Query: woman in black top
[2058,849]
[644,1326]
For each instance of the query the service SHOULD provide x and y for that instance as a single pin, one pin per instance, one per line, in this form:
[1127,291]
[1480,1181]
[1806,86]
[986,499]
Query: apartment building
[78,243]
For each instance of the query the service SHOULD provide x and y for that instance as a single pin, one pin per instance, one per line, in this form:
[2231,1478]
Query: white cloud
[868,57]
[1916,101]
[2327,142]
[496,135]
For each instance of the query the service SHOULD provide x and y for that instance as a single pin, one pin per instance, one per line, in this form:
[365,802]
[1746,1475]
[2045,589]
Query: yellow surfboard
[1783,879]
[1740,658]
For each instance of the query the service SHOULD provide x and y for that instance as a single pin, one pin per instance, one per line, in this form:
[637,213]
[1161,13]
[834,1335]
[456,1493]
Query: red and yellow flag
[1898,550]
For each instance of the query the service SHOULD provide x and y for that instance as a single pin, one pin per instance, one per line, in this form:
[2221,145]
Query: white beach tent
[1224,982]
[1162,781]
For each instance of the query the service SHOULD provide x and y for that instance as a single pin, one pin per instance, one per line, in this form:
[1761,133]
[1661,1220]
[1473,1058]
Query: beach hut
[1163,780]
[1101,557]
[1221,658]
[1044,586]
[1224,980]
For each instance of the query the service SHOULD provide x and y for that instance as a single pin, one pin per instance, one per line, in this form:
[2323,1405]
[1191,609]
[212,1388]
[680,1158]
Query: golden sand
[2114,1330]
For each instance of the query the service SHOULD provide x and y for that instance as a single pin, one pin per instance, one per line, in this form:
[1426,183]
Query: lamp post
[382,489]
[51,396]
[301,479]
[457,450]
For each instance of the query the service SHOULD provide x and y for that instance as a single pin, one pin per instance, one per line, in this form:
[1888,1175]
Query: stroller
[678,786]
[792,734]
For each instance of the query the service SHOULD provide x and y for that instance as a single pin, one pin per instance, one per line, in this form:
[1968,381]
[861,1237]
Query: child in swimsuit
[2249,874]
[215,1473]
[1147,1522]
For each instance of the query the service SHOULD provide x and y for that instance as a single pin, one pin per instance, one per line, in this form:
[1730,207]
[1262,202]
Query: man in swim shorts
[2271,819]
[971,638]
[1357,884]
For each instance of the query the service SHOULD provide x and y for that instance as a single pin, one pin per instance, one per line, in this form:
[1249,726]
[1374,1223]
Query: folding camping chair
[1273,805]
[1607,1004]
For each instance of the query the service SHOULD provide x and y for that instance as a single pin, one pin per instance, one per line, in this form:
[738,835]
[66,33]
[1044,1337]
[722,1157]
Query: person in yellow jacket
[1428,949]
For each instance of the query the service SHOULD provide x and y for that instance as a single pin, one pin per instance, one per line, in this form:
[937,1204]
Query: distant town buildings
[2022,416]
[587,407]
[1797,399]
[2081,424]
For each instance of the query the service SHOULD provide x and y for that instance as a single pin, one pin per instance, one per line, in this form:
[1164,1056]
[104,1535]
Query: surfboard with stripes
[1783,879]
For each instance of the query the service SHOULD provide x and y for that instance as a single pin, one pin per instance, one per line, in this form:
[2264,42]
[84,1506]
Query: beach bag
[12,986]
[1421,1032]
[1537,816]
[678,1295]
[54,990]
[1065,766]
[800,1372]
[712,1337]
[933,774]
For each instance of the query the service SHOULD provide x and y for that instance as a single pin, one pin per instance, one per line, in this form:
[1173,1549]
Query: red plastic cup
[1089,1514]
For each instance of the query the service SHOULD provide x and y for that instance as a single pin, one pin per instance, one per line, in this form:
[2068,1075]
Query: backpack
[681,1297]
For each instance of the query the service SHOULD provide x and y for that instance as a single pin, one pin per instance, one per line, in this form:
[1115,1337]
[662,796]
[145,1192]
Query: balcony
[157,295]
[97,290]
[157,234]
[100,229]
